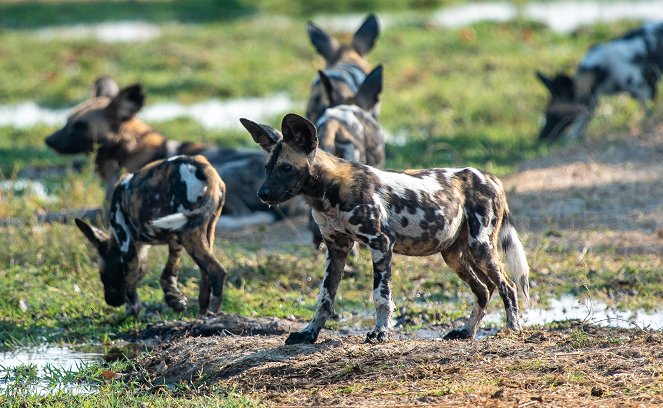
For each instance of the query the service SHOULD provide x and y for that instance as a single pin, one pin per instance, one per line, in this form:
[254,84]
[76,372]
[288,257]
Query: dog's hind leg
[198,247]
[338,248]
[174,298]
[457,259]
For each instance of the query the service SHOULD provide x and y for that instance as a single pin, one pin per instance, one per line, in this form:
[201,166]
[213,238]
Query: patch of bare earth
[600,194]
[570,366]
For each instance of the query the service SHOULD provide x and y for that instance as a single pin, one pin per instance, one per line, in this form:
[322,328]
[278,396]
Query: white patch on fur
[172,222]
[347,115]
[516,259]
[175,157]
[126,179]
[121,221]
[194,186]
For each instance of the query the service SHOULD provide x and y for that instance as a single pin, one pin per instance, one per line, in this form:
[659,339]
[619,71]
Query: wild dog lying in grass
[631,63]
[346,66]
[106,124]
[175,202]
[460,213]
[347,130]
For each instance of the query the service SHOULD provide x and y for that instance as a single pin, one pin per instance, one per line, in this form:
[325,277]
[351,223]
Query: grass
[452,97]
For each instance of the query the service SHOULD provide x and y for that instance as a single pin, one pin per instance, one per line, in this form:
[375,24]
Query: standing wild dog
[107,125]
[346,66]
[347,130]
[631,63]
[175,202]
[460,213]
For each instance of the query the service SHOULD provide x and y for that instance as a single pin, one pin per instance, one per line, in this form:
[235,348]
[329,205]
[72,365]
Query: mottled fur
[631,63]
[459,213]
[106,124]
[175,202]
[346,65]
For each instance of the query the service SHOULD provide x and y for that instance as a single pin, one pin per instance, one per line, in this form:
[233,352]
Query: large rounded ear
[105,86]
[299,133]
[369,92]
[326,45]
[266,136]
[545,80]
[328,87]
[97,237]
[367,33]
[129,101]
[563,86]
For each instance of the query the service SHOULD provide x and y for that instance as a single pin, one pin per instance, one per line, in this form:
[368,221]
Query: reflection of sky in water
[43,359]
[592,311]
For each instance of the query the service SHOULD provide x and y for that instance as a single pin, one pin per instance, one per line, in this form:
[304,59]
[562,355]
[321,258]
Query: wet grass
[452,97]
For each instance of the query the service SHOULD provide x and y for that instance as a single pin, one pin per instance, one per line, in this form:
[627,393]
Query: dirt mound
[221,324]
[574,364]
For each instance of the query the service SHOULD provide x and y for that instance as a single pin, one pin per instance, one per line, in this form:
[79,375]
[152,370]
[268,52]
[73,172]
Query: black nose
[264,193]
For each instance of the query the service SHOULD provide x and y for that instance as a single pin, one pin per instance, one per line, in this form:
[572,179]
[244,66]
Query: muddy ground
[601,194]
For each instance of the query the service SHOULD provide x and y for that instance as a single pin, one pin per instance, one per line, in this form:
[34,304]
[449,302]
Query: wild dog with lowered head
[175,202]
[631,63]
[346,66]
[107,125]
[347,130]
[460,213]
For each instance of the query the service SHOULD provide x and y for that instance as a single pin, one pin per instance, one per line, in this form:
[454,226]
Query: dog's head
[290,156]
[367,96]
[110,266]
[563,106]
[96,120]
[334,51]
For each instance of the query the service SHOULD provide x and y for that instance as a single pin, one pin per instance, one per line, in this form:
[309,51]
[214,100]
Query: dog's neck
[327,173]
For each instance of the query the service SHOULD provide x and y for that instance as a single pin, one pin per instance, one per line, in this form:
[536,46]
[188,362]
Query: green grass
[452,97]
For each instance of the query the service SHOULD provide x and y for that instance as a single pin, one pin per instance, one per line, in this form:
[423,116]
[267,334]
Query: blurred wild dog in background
[175,202]
[346,66]
[107,125]
[631,63]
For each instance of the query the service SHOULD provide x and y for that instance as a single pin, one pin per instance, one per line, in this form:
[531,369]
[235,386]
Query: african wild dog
[631,63]
[176,202]
[346,66]
[347,130]
[107,125]
[460,213]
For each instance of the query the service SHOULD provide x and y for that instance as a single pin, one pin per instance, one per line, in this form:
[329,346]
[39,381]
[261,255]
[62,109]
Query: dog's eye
[286,168]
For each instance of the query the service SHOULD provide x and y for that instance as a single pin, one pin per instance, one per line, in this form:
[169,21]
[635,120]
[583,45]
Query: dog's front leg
[381,253]
[338,248]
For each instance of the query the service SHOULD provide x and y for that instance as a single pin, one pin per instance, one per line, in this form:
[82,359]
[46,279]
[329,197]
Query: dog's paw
[377,336]
[301,337]
[177,302]
[458,334]
[132,309]
[215,303]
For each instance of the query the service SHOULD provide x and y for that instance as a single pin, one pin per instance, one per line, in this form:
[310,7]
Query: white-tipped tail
[516,259]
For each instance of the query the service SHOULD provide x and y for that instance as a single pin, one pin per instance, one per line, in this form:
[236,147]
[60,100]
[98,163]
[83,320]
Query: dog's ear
[545,80]
[300,133]
[97,237]
[328,87]
[105,86]
[326,45]
[369,92]
[364,38]
[264,135]
[563,86]
[129,101]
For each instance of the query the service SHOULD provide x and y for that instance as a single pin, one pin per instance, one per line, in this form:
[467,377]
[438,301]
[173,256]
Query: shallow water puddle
[23,186]
[562,16]
[109,32]
[211,114]
[46,369]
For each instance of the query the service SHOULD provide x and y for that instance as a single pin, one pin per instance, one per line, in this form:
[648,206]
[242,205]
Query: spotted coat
[459,213]
[176,202]
[631,63]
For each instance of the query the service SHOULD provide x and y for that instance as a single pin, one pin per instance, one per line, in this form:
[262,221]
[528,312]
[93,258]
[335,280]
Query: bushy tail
[516,259]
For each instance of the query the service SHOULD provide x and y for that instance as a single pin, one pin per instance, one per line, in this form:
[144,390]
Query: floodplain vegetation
[589,216]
